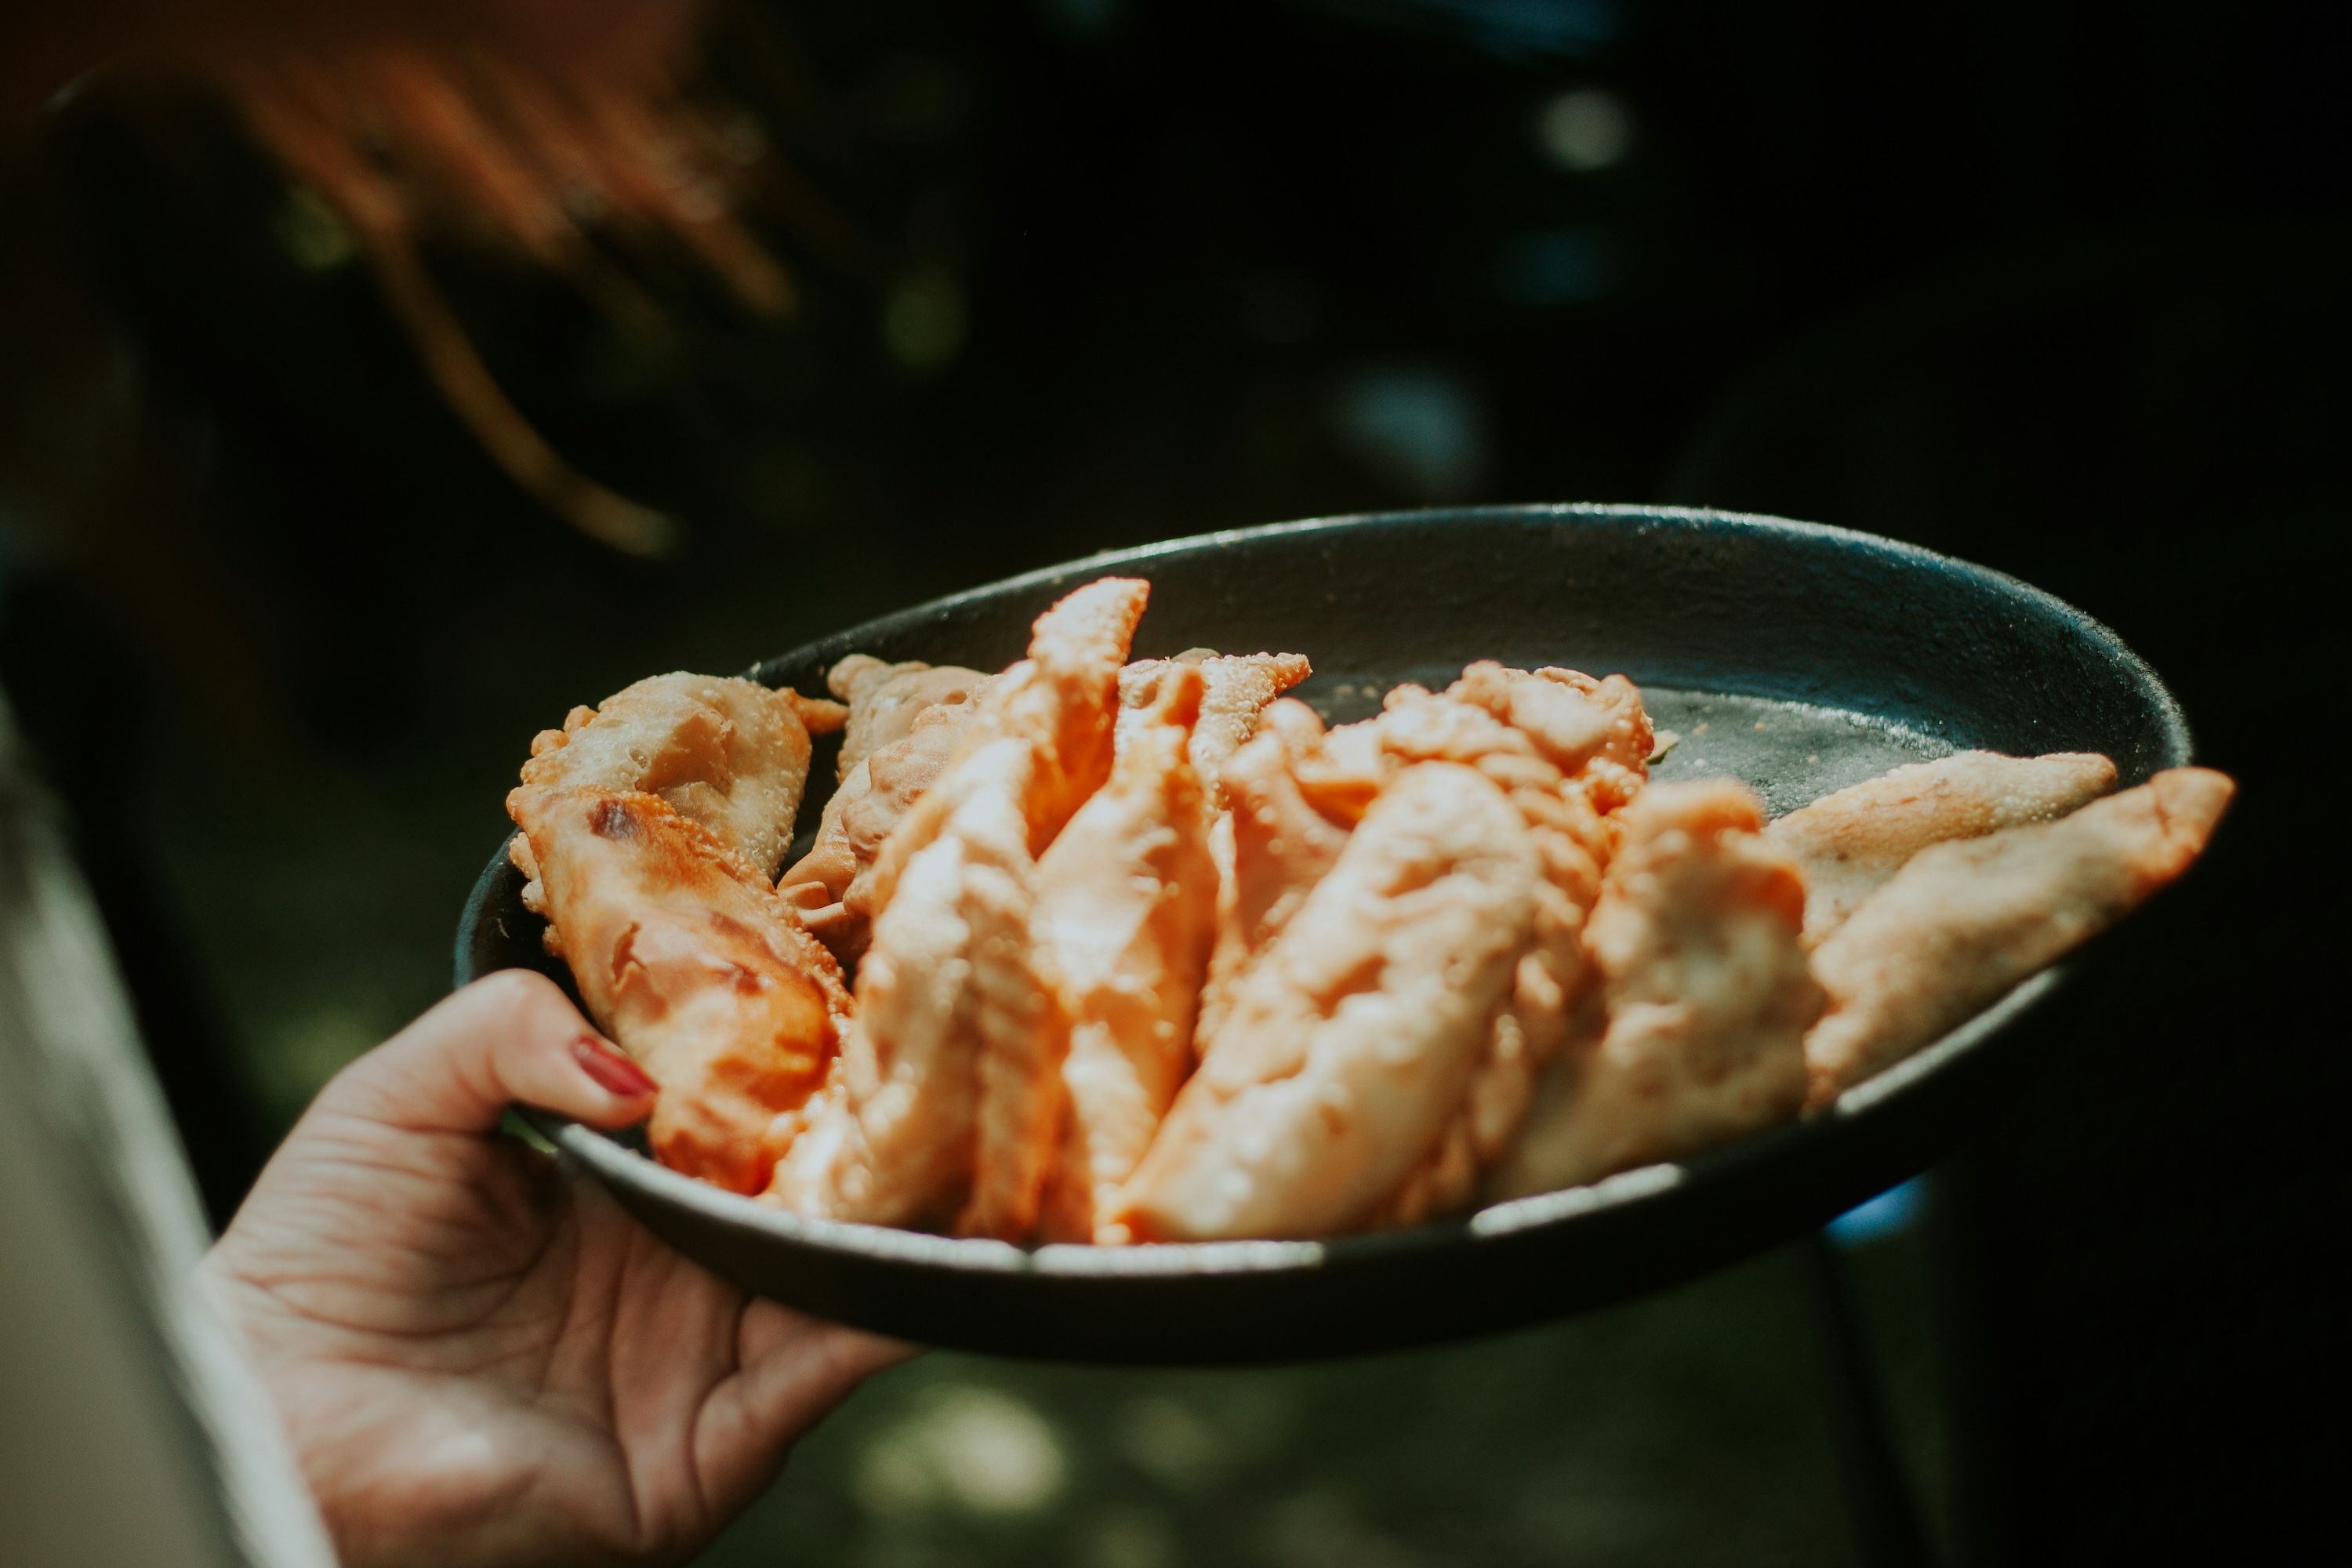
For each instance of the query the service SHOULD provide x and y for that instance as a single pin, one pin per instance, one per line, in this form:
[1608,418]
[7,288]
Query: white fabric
[131,1431]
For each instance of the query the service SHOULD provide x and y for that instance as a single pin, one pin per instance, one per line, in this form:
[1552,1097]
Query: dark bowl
[1798,658]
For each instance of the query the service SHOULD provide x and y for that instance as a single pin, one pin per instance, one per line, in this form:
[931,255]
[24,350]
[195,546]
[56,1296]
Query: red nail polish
[602,1060]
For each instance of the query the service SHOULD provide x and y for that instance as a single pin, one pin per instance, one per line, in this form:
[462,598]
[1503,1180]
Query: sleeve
[131,1431]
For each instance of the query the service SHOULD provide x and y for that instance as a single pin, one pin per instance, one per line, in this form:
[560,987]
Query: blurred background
[2059,288]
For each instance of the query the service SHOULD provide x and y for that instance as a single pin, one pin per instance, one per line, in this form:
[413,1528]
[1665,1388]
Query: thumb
[509,1038]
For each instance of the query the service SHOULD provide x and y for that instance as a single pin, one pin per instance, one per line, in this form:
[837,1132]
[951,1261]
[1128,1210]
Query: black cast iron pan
[1798,658]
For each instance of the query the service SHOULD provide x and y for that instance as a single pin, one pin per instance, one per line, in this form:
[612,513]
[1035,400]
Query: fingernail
[602,1060]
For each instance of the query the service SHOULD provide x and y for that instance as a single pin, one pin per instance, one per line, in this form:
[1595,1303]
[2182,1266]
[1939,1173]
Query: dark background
[2059,288]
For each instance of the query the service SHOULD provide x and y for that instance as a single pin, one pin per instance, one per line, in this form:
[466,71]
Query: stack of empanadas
[1144,951]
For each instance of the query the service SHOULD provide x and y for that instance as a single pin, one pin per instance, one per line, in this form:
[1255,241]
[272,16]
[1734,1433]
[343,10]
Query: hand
[478,1357]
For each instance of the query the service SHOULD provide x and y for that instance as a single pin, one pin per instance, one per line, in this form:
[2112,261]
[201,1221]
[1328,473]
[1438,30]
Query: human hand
[478,1357]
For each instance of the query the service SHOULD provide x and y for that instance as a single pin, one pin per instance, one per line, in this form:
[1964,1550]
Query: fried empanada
[730,753]
[1850,843]
[885,699]
[1294,794]
[1539,741]
[1352,1038]
[1963,922]
[1061,702]
[1532,1023]
[1272,845]
[1237,688]
[1594,730]
[1561,754]
[1692,1028]
[833,884]
[949,1091]
[689,959]
[1062,699]
[950,1098]
[1126,909]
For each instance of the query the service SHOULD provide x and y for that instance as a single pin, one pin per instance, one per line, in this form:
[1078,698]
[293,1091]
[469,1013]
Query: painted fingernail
[602,1060]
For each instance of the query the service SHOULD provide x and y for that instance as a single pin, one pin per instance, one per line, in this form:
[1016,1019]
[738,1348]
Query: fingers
[508,1038]
[846,1356]
[793,1370]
